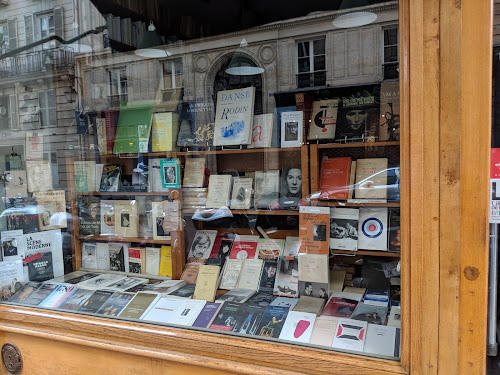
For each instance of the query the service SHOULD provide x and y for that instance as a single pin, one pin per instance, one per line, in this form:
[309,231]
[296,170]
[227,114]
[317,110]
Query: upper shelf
[355,145]
[240,151]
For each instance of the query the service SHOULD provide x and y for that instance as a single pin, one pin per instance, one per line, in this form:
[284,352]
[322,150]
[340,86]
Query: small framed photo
[292,124]
[170,173]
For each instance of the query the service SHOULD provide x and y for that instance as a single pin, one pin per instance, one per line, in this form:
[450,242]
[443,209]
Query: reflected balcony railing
[317,78]
[46,60]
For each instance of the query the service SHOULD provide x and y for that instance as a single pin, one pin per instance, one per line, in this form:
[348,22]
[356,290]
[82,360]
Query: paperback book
[287,278]
[272,321]
[298,326]
[249,319]
[51,209]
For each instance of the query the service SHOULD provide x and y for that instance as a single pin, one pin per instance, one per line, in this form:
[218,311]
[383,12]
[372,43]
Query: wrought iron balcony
[47,60]
[314,79]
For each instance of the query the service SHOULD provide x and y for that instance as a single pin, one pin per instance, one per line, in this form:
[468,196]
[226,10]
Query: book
[12,277]
[395,317]
[76,300]
[115,304]
[314,223]
[101,135]
[206,283]
[334,179]
[276,134]
[96,300]
[323,331]
[227,317]
[313,275]
[58,296]
[382,340]
[323,120]
[350,335]
[102,256]
[231,273]
[340,305]
[292,246]
[187,311]
[372,228]
[287,277]
[250,274]
[44,254]
[166,310]
[272,321]
[395,231]
[152,261]
[39,294]
[219,188]
[136,178]
[337,278]
[292,124]
[389,112]
[22,295]
[39,175]
[155,183]
[266,189]
[100,281]
[40,266]
[165,261]
[89,215]
[311,305]
[185,291]
[262,131]
[133,130]
[298,326]
[290,188]
[145,210]
[376,297]
[249,319]
[118,256]
[84,175]
[110,179]
[110,121]
[242,193]
[194,172]
[89,255]
[244,247]
[284,301]
[207,314]
[12,245]
[51,209]
[170,175]
[371,178]
[80,278]
[234,117]
[303,103]
[98,176]
[21,213]
[17,187]
[34,146]
[370,313]
[136,260]
[164,129]
[269,248]
[190,273]
[352,179]
[267,277]
[357,118]
[194,198]
[344,228]
[202,243]
[159,230]
[138,305]
[126,218]
[126,283]
[107,214]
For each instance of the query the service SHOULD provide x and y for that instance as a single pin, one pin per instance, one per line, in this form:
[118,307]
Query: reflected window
[391,57]
[311,63]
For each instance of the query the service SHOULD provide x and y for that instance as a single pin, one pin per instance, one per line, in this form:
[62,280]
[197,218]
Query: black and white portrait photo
[313,289]
[291,131]
[125,220]
[319,232]
[290,187]
[170,175]
[344,228]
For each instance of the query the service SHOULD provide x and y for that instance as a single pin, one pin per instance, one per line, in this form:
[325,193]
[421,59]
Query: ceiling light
[351,17]
[148,47]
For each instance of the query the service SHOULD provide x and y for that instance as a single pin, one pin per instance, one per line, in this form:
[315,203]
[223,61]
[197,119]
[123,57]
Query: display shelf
[124,239]
[160,154]
[240,151]
[345,204]
[272,233]
[377,253]
[124,193]
[356,145]
[250,212]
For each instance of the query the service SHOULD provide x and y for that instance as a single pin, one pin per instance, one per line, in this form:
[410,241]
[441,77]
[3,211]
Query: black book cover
[137,180]
[95,302]
[79,279]
[89,216]
[227,317]
[358,117]
[110,179]
[249,319]
[268,276]
[116,257]
[40,267]
[25,292]
[272,321]
[395,230]
[21,213]
[186,291]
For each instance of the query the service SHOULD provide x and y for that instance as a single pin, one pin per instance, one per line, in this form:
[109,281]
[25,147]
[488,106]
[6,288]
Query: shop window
[311,63]
[391,56]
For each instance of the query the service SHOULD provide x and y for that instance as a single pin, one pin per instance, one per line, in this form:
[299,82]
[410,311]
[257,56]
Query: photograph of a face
[291,131]
[170,173]
[290,187]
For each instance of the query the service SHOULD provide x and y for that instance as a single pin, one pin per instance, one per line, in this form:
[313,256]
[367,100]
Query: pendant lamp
[242,65]
[353,18]
[148,47]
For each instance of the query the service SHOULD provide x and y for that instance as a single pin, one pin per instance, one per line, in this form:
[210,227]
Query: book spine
[110,118]
[352,180]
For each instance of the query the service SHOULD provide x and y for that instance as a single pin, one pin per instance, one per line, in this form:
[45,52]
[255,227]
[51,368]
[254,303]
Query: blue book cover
[272,321]
[275,137]
[206,315]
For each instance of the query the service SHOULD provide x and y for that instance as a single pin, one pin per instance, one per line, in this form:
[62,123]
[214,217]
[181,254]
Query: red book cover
[244,248]
[339,307]
[111,118]
[303,102]
[217,243]
[334,180]
[495,163]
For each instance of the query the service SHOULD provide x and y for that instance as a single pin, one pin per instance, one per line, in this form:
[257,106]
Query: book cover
[227,317]
[110,121]
[382,340]
[284,301]
[160,232]
[110,179]
[207,314]
[40,266]
[89,215]
[242,193]
[107,214]
[350,335]
[18,186]
[13,245]
[126,283]
[100,281]
[22,295]
[138,305]
[12,277]
[290,188]
[266,189]
[95,255]
[340,306]
[250,274]
[39,175]
[133,130]
[231,273]
[34,146]
[190,273]
[152,261]
[239,295]
[136,259]
[244,247]
[267,277]
[314,223]
[261,298]
[249,319]
[234,117]
[102,142]
[287,278]
[162,310]
[276,134]
[21,213]
[313,275]
[81,278]
[312,305]
[304,102]
[262,131]
[58,296]
[334,179]
[389,112]
[136,180]
[45,243]
[395,230]
[371,178]
[298,327]
[292,246]
[155,183]
[272,321]
[170,175]
[206,283]
[51,209]
[292,127]
[84,175]
[126,218]
[344,228]
[323,120]
[186,291]
[202,243]
[194,172]
[323,331]
[115,304]
[370,313]
[357,118]
[394,317]
[145,210]
[96,300]
[117,261]
[219,188]
[39,294]
[269,248]
[372,228]
[164,131]
[165,261]
[187,312]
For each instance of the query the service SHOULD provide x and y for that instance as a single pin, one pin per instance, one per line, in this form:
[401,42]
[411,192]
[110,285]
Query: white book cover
[292,246]
[262,131]
[395,317]
[350,335]
[12,276]
[187,312]
[126,283]
[267,188]
[152,261]
[13,245]
[17,187]
[84,172]
[44,242]
[285,301]
[298,326]
[202,243]
[242,193]
[234,117]
[155,180]
[34,145]
[89,256]
[163,310]
[269,248]
[107,217]
[101,281]
[231,273]
[219,188]
[238,295]
[39,175]
[102,256]
[250,274]
[292,128]
[371,178]
[372,228]
[159,226]
[323,119]
[344,228]
[382,340]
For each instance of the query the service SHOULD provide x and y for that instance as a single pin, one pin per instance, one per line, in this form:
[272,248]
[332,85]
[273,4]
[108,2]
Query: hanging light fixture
[148,47]
[242,65]
[352,17]
[70,94]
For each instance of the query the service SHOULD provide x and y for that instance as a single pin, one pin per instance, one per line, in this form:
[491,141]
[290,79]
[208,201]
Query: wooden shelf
[134,155]
[242,151]
[363,144]
[251,212]
[124,239]
[124,193]
[344,204]
[377,253]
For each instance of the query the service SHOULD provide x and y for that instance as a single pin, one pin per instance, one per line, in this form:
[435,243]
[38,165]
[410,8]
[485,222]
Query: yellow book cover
[206,284]
[164,132]
[165,261]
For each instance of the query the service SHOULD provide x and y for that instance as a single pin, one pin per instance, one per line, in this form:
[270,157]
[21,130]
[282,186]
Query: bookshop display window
[233,170]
